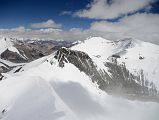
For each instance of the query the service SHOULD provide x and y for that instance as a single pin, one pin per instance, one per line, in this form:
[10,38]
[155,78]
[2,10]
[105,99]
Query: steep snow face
[5,43]
[47,91]
[95,46]
[101,48]
[137,55]
[143,56]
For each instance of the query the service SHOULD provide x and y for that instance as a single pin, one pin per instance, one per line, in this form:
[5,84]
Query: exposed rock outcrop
[119,80]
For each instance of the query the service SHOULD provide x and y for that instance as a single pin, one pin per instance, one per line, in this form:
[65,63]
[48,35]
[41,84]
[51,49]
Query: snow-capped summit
[91,46]
[100,46]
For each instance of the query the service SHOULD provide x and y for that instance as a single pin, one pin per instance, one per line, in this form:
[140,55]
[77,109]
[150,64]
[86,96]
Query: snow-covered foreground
[44,91]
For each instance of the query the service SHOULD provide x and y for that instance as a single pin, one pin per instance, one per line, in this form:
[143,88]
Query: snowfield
[42,90]
[30,98]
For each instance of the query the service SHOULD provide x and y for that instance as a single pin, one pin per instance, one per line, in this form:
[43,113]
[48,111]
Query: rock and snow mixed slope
[139,58]
[60,87]
[8,44]
[5,43]
[135,54]
[19,51]
[14,51]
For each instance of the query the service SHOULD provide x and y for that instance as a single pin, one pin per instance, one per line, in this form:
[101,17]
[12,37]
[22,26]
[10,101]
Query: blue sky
[78,19]
[15,13]
[24,12]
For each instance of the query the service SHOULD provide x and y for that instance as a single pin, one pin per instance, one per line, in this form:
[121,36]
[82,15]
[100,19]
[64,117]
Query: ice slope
[44,91]
[129,50]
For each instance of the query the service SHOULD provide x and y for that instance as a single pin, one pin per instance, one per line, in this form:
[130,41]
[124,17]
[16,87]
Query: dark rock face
[4,67]
[37,49]
[116,56]
[1,76]
[124,82]
[119,81]
[140,57]
[83,62]
[32,50]
[12,56]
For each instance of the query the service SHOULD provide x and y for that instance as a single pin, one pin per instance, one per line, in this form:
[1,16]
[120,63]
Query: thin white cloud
[140,26]
[47,24]
[19,29]
[73,34]
[66,13]
[101,9]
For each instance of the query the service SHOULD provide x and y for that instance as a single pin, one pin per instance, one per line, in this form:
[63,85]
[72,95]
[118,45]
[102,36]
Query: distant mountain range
[24,51]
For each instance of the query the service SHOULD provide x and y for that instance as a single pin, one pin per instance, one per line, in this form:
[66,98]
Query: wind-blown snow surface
[48,92]
[44,91]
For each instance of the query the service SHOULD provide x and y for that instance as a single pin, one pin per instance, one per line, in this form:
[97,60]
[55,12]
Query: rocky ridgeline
[119,81]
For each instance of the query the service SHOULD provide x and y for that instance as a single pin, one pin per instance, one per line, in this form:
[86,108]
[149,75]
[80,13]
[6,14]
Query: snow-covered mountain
[125,61]
[89,81]
[15,51]
[28,50]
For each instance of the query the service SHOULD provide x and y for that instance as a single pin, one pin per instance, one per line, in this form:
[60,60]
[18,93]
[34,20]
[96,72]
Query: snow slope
[46,92]
[42,90]
[30,98]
